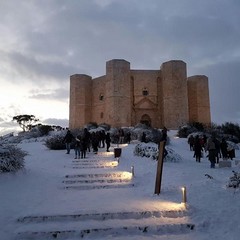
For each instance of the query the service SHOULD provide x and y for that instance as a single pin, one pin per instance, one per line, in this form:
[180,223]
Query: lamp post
[132,170]
[184,194]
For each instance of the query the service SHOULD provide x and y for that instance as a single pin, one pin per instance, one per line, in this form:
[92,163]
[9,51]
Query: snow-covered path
[48,197]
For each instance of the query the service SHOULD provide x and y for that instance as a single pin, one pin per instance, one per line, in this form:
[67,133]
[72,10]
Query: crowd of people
[214,148]
[86,141]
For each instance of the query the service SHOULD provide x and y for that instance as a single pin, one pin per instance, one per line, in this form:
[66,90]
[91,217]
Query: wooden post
[159,168]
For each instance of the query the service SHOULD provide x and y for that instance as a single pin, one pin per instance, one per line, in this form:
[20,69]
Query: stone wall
[126,97]
[80,101]
[174,94]
[118,93]
[145,81]
[198,98]
[98,108]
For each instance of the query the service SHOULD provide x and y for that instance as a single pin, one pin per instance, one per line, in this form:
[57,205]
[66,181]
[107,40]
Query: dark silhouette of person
[108,141]
[197,149]
[223,147]
[128,137]
[68,140]
[143,139]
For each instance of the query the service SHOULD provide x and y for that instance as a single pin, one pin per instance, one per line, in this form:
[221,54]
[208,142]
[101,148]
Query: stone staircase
[102,225]
[97,181]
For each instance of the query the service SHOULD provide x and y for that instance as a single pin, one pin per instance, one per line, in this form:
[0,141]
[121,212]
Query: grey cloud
[50,94]
[224,87]
[34,69]
[59,38]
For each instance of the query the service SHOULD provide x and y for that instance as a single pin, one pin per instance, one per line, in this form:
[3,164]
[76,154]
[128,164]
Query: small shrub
[45,129]
[11,158]
[185,130]
[231,129]
[55,142]
[151,151]
[152,134]
[234,181]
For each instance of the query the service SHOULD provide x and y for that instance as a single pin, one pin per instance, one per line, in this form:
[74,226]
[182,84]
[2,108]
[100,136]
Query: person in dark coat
[191,142]
[211,148]
[77,147]
[95,142]
[102,139]
[223,147]
[128,137]
[83,147]
[143,139]
[108,141]
[121,136]
[217,148]
[197,149]
[68,140]
[87,139]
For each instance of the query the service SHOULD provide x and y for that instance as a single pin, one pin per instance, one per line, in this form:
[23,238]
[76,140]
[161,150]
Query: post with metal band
[184,195]
[132,171]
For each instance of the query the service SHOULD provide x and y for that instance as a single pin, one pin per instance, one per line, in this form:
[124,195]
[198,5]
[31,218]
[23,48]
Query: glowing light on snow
[107,154]
[111,164]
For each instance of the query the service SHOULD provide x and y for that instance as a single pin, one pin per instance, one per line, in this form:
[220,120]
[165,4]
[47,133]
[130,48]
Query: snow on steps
[104,224]
[107,216]
[172,229]
[98,181]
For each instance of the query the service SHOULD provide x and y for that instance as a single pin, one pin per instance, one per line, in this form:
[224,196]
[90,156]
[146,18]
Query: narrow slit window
[101,97]
[145,92]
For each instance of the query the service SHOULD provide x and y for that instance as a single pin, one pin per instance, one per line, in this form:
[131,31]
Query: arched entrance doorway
[145,119]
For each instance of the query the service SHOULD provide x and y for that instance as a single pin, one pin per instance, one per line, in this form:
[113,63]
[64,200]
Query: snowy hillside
[59,197]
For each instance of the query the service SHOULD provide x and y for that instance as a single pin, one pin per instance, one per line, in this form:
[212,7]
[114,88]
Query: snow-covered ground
[58,197]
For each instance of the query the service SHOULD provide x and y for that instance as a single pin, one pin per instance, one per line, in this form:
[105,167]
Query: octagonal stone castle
[125,97]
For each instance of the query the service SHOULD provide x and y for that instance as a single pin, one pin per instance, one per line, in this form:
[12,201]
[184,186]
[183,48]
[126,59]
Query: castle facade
[125,97]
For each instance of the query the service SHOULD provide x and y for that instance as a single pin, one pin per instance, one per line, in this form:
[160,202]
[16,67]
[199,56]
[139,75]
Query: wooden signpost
[159,168]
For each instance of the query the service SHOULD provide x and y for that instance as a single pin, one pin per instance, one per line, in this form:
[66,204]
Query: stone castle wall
[125,97]
[174,93]
[198,98]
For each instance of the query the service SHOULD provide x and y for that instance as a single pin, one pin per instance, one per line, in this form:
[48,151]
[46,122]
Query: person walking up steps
[197,149]
[68,140]
[211,148]
[77,147]
[108,141]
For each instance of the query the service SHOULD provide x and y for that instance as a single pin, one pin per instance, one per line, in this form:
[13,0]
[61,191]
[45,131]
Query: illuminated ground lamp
[132,171]
[110,164]
[184,195]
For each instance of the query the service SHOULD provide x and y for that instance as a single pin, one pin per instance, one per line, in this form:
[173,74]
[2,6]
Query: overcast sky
[43,42]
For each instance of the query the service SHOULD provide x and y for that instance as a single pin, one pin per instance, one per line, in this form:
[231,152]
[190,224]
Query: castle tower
[198,99]
[80,100]
[118,93]
[174,94]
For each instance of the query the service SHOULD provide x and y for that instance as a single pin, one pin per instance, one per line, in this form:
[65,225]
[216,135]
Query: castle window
[101,115]
[101,97]
[145,92]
